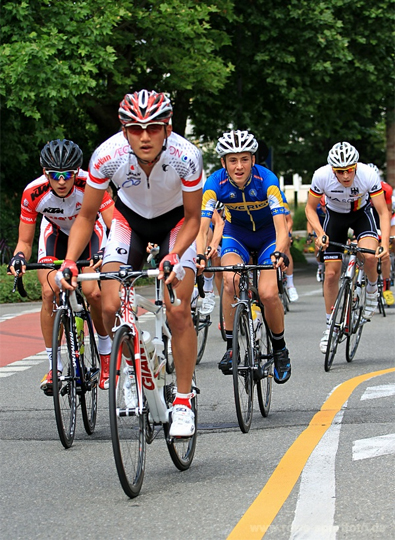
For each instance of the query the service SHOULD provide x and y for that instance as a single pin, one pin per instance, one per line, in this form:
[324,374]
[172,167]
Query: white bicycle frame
[150,367]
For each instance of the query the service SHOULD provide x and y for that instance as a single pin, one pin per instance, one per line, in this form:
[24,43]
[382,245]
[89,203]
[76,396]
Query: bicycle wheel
[356,325]
[380,298]
[243,382]
[128,428]
[90,364]
[337,324]
[181,450]
[201,323]
[264,385]
[64,384]
[221,314]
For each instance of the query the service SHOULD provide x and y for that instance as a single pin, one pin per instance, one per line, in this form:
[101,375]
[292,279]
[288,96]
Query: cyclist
[289,272]
[213,253]
[159,177]
[347,186]
[57,195]
[255,221]
[321,211]
[386,265]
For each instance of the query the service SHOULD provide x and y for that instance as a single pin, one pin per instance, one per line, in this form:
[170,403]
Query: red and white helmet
[144,107]
[343,154]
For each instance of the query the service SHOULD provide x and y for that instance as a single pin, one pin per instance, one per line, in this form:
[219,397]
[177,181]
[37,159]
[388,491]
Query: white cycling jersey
[178,169]
[346,199]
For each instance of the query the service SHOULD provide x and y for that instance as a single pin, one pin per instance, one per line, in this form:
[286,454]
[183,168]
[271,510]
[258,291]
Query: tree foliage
[300,74]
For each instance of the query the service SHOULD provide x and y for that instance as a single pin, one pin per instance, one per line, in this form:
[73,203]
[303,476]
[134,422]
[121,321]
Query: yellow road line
[260,515]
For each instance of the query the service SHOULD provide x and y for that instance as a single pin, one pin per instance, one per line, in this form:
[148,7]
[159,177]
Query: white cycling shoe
[370,305]
[208,303]
[183,422]
[293,294]
[324,341]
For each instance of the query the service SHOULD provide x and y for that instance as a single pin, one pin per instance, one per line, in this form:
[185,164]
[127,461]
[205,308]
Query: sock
[371,287]
[104,344]
[328,316]
[321,266]
[49,353]
[208,284]
[183,399]
[229,339]
[290,280]
[278,341]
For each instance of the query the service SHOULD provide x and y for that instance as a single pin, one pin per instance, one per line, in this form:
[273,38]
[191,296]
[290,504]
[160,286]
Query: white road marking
[315,508]
[375,392]
[373,447]
[22,365]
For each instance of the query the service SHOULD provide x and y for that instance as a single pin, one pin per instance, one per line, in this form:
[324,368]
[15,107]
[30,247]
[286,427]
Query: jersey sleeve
[276,202]
[193,179]
[209,199]
[316,186]
[107,202]
[28,211]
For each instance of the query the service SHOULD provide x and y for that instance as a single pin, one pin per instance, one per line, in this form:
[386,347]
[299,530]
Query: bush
[30,282]
[299,218]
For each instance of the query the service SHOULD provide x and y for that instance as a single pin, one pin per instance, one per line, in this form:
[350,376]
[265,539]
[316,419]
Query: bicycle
[251,346]
[141,389]
[284,296]
[201,322]
[346,322]
[380,289]
[74,350]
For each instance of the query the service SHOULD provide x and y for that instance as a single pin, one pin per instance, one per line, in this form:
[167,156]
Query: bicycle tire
[354,336]
[128,429]
[336,328]
[265,385]
[201,324]
[181,450]
[380,299]
[242,368]
[221,313]
[90,362]
[64,388]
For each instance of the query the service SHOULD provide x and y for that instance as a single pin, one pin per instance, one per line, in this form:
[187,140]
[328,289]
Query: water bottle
[257,320]
[79,325]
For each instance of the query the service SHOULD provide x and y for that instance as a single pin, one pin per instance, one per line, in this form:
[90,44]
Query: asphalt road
[319,467]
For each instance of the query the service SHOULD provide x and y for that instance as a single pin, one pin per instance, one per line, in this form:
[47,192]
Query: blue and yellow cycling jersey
[252,206]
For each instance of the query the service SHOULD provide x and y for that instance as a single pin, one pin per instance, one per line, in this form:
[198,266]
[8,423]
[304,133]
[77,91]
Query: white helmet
[343,154]
[235,142]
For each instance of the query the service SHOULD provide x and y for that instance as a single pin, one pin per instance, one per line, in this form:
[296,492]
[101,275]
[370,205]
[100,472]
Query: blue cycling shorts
[238,240]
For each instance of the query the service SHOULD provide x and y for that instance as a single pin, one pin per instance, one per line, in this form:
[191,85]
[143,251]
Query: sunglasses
[57,175]
[152,129]
[349,170]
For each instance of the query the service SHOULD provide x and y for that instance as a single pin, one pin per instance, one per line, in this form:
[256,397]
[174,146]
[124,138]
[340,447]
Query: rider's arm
[82,228]
[282,236]
[25,239]
[192,201]
[312,216]
[107,215]
[378,202]
[219,225]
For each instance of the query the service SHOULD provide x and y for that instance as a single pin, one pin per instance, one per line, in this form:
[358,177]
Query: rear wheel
[243,382]
[64,383]
[128,426]
[264,385]
[181,450]
[90,363]
[337,324]
[201,323]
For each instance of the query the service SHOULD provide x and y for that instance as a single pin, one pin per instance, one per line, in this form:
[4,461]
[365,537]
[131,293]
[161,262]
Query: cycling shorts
[239,240]
[52,244]
[130,234]
[336,225]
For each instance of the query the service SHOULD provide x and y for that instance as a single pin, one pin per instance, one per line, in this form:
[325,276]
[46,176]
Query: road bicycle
[380,289]
[142,385]
[346,321]
[201,322]
[284,296]
[76,361]
[221,324]
[252,350]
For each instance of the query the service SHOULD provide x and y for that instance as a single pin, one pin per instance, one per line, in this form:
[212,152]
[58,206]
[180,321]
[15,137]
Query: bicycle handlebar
[243,268]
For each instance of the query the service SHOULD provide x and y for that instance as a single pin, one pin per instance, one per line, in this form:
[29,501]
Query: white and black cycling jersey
[346,199]
[178,169]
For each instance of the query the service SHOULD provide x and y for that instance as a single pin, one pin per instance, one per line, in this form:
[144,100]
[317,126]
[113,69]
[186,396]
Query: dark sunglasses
[152,129]
[57,175]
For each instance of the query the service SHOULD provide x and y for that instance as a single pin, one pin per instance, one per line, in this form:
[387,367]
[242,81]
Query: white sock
[328,316]
[290,280]
[104,344]
[49,353]
[371,287]
[208,284]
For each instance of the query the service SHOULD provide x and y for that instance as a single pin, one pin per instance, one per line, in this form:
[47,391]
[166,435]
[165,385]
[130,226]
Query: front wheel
[128,426]
[181,450]
[356,325]
[337,324]
[242,368]
[63,378]
[265,384]
[221,313]
[90,364]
